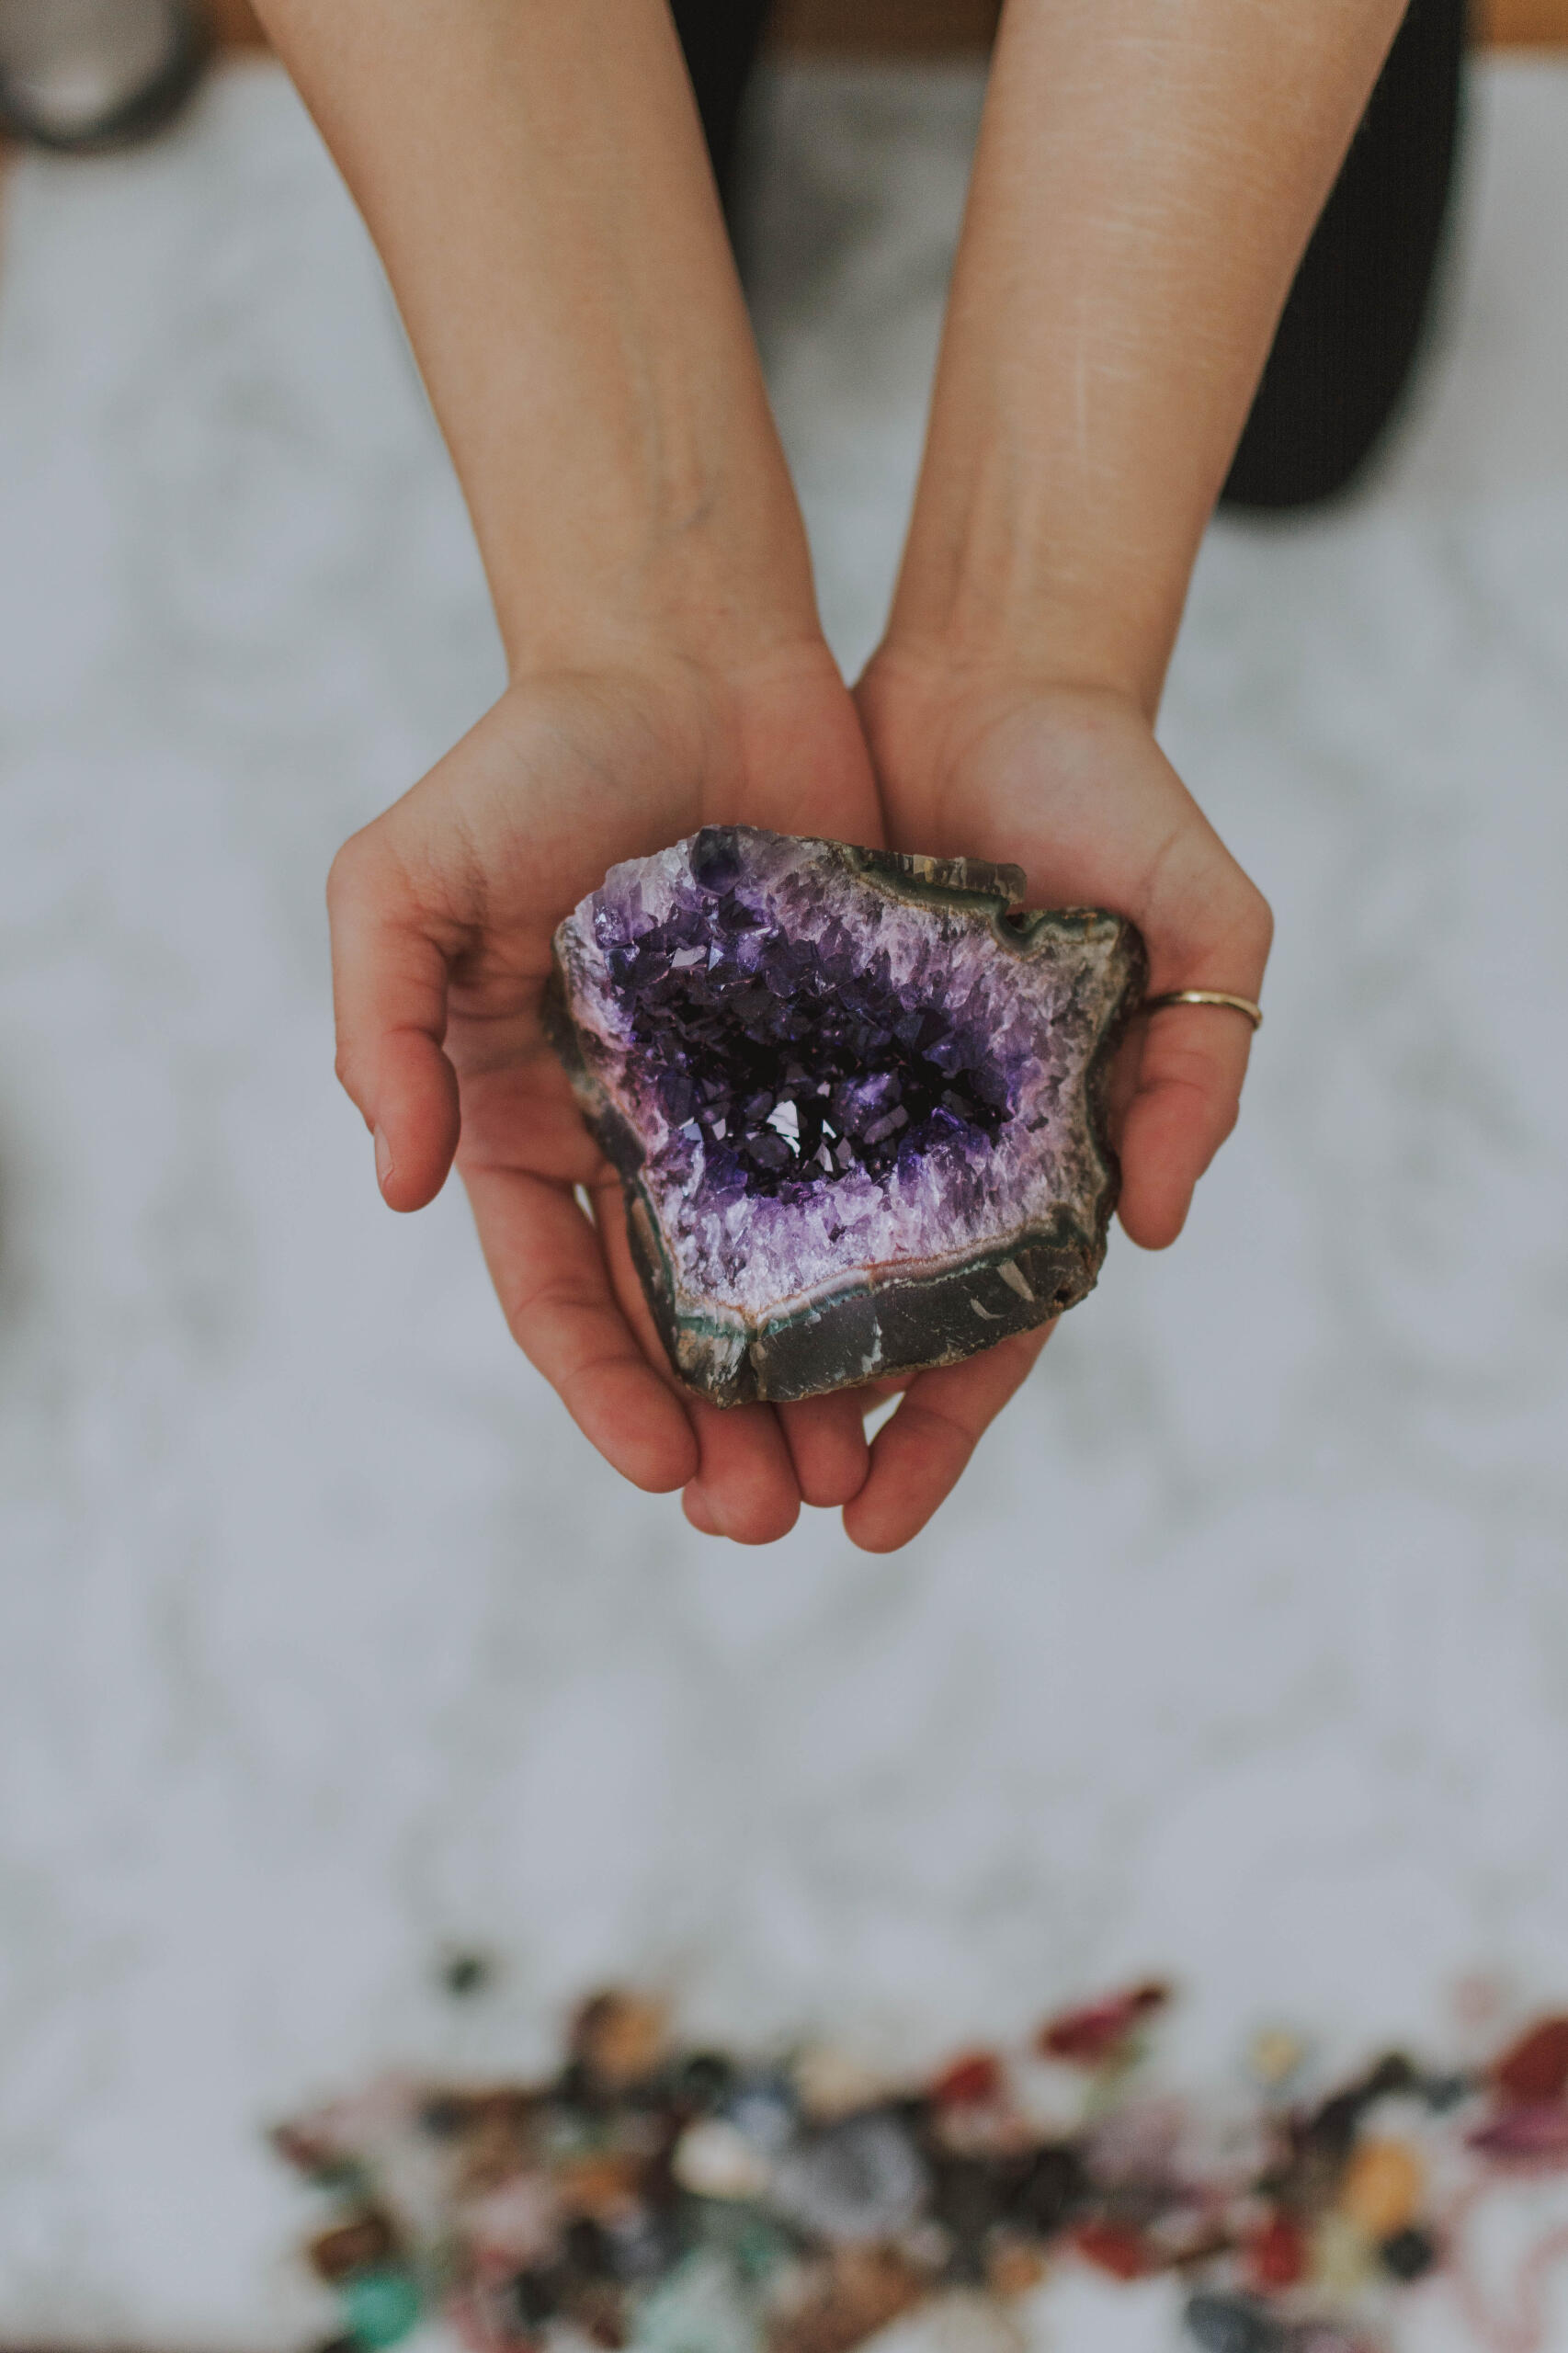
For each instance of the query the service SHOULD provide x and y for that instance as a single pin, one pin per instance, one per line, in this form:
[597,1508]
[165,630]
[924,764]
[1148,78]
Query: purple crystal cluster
[854,1098]
[791,1062]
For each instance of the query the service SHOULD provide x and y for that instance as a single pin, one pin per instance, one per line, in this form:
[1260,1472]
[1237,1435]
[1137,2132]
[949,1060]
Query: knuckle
[349,1073]
[1258,923]
[942,1434]
[340,874]
[351,878]
[1228,1112]
[539,1307]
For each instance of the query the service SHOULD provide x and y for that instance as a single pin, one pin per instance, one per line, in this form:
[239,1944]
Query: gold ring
[1208,996]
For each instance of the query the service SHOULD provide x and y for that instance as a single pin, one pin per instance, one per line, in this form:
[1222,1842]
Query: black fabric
[720,39]
[1351,330]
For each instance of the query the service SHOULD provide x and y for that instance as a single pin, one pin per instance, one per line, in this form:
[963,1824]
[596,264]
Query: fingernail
[383,1160]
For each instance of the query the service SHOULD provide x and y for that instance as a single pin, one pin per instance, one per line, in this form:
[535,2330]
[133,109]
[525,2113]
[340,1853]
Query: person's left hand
[1071,785]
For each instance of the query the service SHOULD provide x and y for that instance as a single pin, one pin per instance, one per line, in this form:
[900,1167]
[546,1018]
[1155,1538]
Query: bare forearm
[534,178]
[1149,171]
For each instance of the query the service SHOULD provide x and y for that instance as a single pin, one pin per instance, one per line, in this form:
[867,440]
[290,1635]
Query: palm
[443,912]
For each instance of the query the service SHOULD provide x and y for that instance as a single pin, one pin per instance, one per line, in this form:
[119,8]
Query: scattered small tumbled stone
[845,2299]
[1394,2072]
[856,1098]
[861,2179]
[1136,2145]
[1342,2254]
[531,2298]
[765,2110]
[1446,2090]
[364,2244]
[1115,2247]
[715,2159]
[702,2307]
[1383,2186]
[1277,2256]
[969,2198]
[830,2082]
[1274,2055]
[970,2081]
[1052,2185]
[703,2080]
[619,2038]
[1232,2325]
[1012,2265]
[1409,2254]
[380,2307]
[1099,2031]
[464,1974]
[1537,2135]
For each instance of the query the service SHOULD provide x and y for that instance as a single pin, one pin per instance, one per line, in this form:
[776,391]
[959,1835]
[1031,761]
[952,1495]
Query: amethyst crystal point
[856,1100]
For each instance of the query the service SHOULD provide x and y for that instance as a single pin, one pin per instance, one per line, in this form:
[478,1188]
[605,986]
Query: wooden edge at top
[1522,24]
[951,28]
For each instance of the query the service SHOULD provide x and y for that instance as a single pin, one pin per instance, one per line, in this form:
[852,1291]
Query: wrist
[678,529]
[696,599]
[724,727]
[986,601]
[690,651]
[932,684]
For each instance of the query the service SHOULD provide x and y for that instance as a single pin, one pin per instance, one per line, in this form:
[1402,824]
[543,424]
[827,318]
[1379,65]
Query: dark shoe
[83,76]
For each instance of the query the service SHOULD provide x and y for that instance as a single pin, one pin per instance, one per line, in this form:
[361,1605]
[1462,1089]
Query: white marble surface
[325,1643]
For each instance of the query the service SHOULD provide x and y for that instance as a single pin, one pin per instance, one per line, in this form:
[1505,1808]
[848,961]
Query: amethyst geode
[855,1100]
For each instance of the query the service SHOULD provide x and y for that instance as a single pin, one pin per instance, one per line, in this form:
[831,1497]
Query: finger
[744,1482]
[918,1457]
[746,1485]
[549,1275]
[826,1439]
[389,983]
[1185,1105]
[696,1511]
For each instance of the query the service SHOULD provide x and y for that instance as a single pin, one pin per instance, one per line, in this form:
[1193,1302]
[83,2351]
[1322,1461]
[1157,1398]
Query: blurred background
[329,1653]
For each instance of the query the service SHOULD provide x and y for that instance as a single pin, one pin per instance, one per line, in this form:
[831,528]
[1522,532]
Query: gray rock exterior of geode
[943,1255]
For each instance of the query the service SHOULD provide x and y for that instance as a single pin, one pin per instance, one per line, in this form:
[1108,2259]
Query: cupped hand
[1070,784]
[442,911]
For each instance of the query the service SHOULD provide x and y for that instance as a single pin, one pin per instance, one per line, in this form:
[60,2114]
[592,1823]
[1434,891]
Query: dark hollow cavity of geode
[857,1101]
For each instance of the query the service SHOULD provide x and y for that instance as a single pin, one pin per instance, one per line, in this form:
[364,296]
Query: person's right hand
[442,911]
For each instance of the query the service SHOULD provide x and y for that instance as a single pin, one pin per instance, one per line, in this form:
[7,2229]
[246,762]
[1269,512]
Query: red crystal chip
[968,2082]
[1110,2246]
[1089,2035]
[1534,2135]
[1536,2067]
[1277,2256]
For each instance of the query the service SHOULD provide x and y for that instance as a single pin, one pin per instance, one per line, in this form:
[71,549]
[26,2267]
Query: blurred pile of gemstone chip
[692,2200]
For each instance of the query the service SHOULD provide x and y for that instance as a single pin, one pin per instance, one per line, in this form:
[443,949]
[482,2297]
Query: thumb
[389,985]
